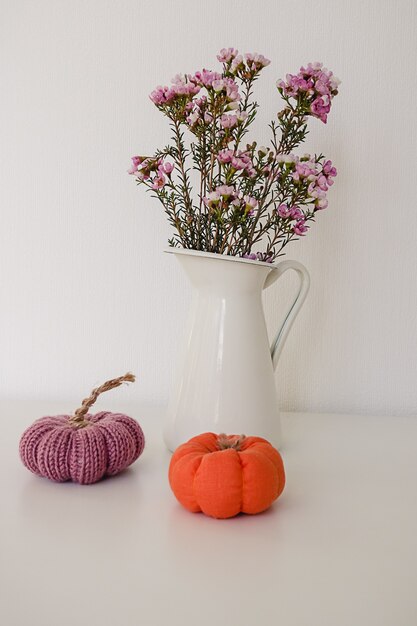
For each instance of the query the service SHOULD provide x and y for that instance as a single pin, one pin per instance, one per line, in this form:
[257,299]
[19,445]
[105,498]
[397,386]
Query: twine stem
[77,419]
[224,442]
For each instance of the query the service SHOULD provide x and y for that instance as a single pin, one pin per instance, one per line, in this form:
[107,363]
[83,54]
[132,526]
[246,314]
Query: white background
[86,292]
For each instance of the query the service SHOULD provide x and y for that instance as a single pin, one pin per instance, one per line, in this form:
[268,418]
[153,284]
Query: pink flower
[168,167]
[161,95]
[319,196]
[287,212]
[238,161]
[320,107]
[228,121]
[322,183]
[242,161]
[242,116]
[237,64]
[197,112]
[322,75]
[144,168]
[300,228]
[222,84]
[249,65]
[158,182]
[329,170]
[218,85]
[314,86]
[295,84]
[296,213]
[182,86]
[232,90]
[136,161]
[321,87]
[225,156]
[258,256]
[227,55]
[304,169]
[284,211]
[256,61]
[287,159]
[322,203]
[205,78]
[225,190]
[212,199]
[193,118]
[199,102]
[334,83]
[250,204]
[312,68]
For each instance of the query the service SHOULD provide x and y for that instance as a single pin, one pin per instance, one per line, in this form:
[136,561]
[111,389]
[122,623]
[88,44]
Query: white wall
[86,292]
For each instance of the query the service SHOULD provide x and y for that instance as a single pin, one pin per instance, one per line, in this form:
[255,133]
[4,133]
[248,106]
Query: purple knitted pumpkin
[83,447]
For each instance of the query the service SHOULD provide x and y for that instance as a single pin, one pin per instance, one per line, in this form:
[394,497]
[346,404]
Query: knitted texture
[54,447]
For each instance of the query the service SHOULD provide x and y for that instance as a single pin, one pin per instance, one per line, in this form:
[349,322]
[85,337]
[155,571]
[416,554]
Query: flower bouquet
[221,193]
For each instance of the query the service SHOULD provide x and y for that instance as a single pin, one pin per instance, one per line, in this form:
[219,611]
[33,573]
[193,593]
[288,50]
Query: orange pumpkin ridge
[223,475]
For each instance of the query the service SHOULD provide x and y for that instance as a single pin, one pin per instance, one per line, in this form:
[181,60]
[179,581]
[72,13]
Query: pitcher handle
[282,334]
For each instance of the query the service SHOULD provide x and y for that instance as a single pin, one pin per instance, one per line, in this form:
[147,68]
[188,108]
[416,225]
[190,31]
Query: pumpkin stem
[224,442]
[77,420]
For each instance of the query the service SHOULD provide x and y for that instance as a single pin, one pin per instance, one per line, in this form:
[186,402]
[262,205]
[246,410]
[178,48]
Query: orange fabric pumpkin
[223,475]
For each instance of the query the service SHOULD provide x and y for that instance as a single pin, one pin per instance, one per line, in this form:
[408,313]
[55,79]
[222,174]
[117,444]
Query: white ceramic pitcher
[225,382]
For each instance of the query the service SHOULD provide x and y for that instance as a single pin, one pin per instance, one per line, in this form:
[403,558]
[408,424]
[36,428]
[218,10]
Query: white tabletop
[339,548]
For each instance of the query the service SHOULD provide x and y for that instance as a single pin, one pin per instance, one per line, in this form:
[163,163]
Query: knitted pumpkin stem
[77,420]
[224,442]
